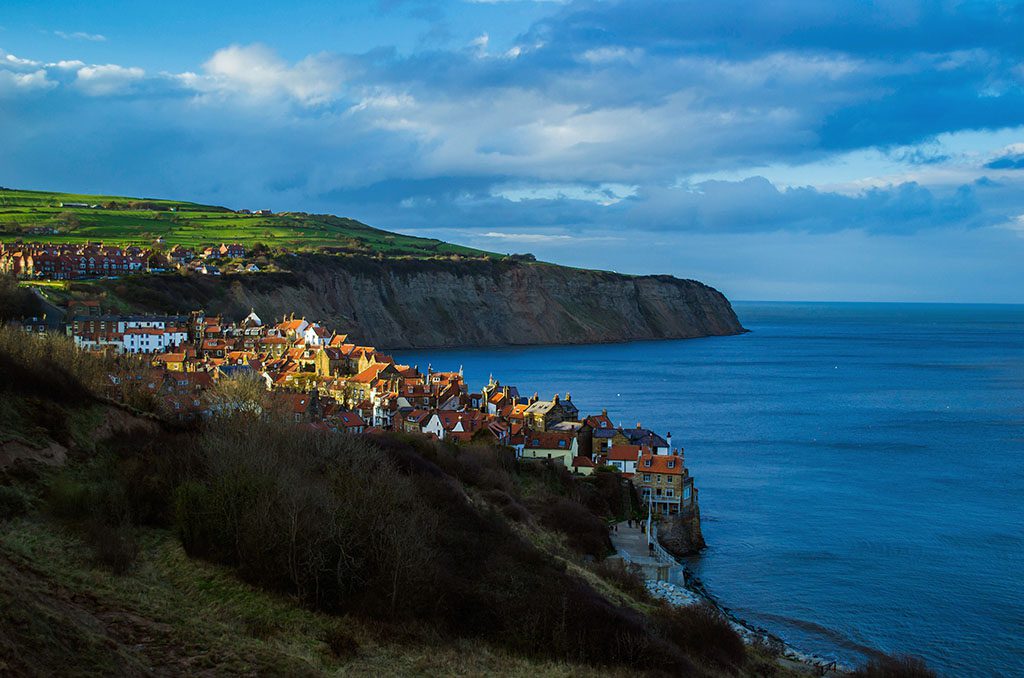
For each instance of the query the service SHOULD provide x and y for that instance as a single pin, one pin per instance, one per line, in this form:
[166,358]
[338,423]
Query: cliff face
[435,303]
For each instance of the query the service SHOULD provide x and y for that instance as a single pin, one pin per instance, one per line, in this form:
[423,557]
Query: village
[321,379]
[64,261]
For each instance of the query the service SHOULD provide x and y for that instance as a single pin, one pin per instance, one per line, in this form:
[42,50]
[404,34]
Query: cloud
[1011,158]
[257,71]
[79,35]
[15,83]
[107,79]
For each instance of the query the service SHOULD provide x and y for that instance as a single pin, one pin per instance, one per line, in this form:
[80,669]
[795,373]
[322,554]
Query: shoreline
[694,591]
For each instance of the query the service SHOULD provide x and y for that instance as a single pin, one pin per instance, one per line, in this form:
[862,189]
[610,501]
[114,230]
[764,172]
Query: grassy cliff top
[140,221]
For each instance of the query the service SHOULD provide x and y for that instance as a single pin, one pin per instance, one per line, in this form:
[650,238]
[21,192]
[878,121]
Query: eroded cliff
[406,303]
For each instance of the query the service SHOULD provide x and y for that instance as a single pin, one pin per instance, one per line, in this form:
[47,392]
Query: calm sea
[861,467]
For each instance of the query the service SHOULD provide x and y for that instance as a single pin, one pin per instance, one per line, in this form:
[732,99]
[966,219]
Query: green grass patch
[132,221]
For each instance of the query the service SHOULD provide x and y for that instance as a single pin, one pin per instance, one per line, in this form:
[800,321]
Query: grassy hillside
[248,546]
[121,220]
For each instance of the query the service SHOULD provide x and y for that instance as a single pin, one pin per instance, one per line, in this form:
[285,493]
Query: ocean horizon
[858,465]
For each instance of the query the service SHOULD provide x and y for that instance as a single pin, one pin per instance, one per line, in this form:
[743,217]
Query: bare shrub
[342,645]
[628,579]
[115,548]
[13,502]
[895,667]
[585,532]
[704,634]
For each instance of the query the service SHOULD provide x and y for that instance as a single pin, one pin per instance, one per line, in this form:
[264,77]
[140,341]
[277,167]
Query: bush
[585,533]
[703,633]
[13,502]
[69,498]
[895,667]
[115,548]
[342,645]
[628,579]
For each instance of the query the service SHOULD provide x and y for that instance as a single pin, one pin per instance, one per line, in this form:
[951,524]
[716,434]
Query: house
[664,482]
[172,362]
[624,457]
[643,436]
[583,466]
[346,421]
[443,422]
[541,415]
[151,339]
[561,447]
[232,251]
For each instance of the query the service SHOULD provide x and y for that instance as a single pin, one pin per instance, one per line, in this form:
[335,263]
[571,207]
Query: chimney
[604,413]
[638,425]
[555,399]
[668,439]
[568,397]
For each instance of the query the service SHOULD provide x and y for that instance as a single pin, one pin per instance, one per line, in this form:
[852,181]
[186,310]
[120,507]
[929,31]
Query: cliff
[416,303]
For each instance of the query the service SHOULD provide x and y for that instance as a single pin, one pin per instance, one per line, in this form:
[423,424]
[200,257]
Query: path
[631,544]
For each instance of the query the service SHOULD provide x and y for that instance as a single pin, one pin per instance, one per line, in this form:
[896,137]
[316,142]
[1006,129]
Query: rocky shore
[695,593]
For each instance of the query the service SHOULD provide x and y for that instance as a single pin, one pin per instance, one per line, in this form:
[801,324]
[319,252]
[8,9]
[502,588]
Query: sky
[793,150]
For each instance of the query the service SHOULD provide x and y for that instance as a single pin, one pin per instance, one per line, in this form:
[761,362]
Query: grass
[196,617]
[195,225]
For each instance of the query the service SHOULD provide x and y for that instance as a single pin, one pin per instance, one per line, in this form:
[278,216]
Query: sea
[860,467]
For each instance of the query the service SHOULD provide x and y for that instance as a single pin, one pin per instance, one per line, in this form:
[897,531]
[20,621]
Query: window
[647,462]
[659,478]
[647,477]
[671,463]
[686,492]
[669,492]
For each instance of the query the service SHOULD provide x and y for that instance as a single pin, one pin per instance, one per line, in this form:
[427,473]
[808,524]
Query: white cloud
[12,60]
[107,79]
[80,35]
[259,72]
[603,55]
[67,64]
[11,82]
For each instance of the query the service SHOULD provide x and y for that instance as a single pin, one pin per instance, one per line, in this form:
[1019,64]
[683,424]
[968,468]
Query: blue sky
[847,150]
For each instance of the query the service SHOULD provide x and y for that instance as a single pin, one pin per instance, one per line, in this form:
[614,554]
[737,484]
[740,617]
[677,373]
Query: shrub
[895,667]
[13,502]
[115,548]
[585,533]
[628,579]
[69,498]
[342,645]
[703,633]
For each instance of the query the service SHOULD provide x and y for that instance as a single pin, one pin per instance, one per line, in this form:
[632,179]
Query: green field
[140,221]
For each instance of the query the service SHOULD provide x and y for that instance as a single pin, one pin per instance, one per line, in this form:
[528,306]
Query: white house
[555,445]
[152,339]
[624,457]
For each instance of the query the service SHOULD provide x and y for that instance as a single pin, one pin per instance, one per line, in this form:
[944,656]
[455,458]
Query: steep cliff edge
[407,303]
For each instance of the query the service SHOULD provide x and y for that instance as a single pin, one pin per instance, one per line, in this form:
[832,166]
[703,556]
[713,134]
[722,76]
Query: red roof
[659,463]
[549,440]
[624,452]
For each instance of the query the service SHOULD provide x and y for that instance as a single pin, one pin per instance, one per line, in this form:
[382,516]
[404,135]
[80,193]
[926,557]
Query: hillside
[391,290]
[247,545]
[135,221]
[402,303]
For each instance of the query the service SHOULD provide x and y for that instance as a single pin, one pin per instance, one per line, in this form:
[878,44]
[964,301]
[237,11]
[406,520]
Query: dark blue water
[861,467]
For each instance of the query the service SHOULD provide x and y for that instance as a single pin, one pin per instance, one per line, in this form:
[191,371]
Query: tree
[244,393]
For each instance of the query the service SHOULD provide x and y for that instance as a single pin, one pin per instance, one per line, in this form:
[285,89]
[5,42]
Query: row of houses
[321,379]
[64,261]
